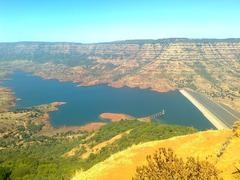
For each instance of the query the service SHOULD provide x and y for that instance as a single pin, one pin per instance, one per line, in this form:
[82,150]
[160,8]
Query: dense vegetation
[41,161]
[164,164]
[113,129]
[46,160]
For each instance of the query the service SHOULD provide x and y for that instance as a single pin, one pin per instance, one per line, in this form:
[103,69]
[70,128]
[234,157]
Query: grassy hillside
[61,155]
[219,147]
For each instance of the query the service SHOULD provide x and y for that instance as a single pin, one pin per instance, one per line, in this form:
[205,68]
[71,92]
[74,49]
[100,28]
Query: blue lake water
[84,104]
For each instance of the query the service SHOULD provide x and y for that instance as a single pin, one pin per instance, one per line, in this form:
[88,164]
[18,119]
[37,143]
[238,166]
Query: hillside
[31,153]
[220,147]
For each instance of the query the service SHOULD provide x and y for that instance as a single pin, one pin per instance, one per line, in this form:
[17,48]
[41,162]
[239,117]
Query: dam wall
[217,122]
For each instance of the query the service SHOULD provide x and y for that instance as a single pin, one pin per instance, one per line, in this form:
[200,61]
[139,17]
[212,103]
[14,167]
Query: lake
[85,104]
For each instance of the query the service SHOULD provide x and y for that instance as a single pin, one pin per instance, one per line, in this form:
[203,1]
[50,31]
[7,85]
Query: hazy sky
[109,20]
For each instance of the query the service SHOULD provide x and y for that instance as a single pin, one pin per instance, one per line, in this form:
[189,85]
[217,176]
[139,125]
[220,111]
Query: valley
[208,66]
[119,90]
[85,111]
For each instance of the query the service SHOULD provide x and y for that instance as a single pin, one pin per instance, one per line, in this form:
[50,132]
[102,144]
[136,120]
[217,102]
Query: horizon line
[124,40]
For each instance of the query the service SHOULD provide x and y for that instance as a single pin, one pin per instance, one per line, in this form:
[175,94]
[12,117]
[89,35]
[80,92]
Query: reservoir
[85,104]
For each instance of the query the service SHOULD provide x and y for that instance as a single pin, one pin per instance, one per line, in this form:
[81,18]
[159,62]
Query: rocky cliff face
[140,50]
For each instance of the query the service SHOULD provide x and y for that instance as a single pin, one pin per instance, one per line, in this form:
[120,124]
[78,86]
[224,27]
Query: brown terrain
[49,130]
[115,116]
[7,99]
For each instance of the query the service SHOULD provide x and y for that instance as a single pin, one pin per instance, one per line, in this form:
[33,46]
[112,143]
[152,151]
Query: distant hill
[73,54]
[176,40]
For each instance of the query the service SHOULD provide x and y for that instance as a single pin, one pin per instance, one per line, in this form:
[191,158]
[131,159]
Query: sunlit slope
[220,146]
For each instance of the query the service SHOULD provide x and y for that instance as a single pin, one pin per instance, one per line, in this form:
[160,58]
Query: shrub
[164,164]
[236,173]
[236,129]
[35,127]
[5,173]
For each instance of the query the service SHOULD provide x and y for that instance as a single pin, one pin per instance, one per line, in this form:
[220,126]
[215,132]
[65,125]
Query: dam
[221,116]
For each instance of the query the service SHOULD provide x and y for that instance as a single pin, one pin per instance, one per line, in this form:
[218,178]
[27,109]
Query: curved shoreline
[210,116]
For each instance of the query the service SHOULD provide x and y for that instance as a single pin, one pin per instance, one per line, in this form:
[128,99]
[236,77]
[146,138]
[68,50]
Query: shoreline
[210,116]
[49,128]
[7,99]
[91,126]
[108,83]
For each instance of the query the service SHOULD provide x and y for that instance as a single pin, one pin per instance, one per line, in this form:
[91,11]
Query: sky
[90,21]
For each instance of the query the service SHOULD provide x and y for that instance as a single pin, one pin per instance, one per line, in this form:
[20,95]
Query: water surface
[84,104]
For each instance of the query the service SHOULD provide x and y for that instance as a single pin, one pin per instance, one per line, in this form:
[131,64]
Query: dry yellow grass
[205,144]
